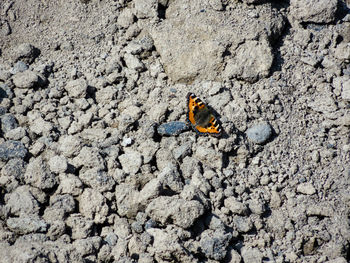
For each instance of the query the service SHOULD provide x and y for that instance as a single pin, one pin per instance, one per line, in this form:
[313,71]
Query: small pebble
[259,133]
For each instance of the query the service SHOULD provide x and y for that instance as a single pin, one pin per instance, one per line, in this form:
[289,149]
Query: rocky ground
[97,164]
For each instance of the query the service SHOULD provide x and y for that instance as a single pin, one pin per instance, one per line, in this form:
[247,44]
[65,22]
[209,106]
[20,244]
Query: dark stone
[172,128]
[12,149]
[214,243]
[8,122]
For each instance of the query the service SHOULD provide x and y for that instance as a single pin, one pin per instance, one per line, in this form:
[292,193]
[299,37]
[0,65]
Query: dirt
[97,164]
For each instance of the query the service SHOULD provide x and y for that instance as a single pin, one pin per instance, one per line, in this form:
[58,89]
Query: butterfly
[201,118]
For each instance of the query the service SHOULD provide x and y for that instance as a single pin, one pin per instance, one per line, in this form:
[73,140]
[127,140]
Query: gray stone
[214,243]
[20,66]
[89,157]
[252,61]
[65,202]
[323,103]
[345,93]
[22,201]
[92,205]
[25,52]
[58,164]
[251,255]
[69,145]
[12,149]
[133,62]
[81,226]
[259,133]
[126,18]
[200,44]
[146,8]
[131,161]
[97,179]
[28,79]
[306,188]
[16,134]
[8,122]
[40,126]
[257,207]
[37,174]
[235,206]
[106,95]
[127,200]
[180,212]
[243,224]
[171,178]
[77,88]
[182,151]
[70,184]
[316,11]
[26,224]
[14,167]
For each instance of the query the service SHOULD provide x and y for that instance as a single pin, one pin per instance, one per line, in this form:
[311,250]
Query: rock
[171,178]
[20,66]
[316,11]
[58,164]
[131,161]
[243,224]
[12,149]
[275,201]
[306,188]
[25,52]
[180,212]
[323,210]
[235,206]
[127,200]
[259,133]
[65,202]
[182,151]
[167,247]
[233,257]
[345,93]
[146,9]
[28,79]
[214,243]
[148,150]
[257,207]
[126,18]
[16,134]
[92,205]
[172,128]
[342,52]
[81,226]
[159,112]
[38,175]
[41,127]
[26,224]
[198,55]
[323,103]
[8,122]
[97,179]
[77,88]
[69,145]
[209,156]
[70,184]
[89,157]
[106,95]
[14,167]
[251,255]
[252,61]
[150,191]
[22,201]
[134,62]
[87,246]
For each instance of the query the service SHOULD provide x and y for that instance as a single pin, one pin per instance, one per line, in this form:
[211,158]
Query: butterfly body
[201,118]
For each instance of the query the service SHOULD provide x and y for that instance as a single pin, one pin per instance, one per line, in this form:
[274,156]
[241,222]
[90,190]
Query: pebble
[259,133]
[12,149]
[25,52]
[214,243]
[252,255]
[20,66]
[26,79]
[306,188]
[8,122]
[172,128]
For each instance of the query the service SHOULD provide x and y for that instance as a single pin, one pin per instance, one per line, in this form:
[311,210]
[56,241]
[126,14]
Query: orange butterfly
[201,118]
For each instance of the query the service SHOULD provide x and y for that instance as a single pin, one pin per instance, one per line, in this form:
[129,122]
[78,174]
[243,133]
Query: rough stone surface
[97,163]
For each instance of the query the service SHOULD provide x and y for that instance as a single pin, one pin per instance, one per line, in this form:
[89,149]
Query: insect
[201,118]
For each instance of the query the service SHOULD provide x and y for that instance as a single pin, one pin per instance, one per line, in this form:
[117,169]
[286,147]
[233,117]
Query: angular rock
[243,224]
[316,11]
[25,52]
[12,149]
[41,127]
[81,227]
[127,200]
[77,88]
[209,156]
[134,62]
[58,164]
[69,145]
[180,212]
[251,255]
[89,157]
[92,205]
[65,202]
[97,179]
[131,161]
[28,79]
[70,184]
[214,243]
[235,206]
[8,122]
[22,201]
[259,133]
[38,175]
[252,61]
[26,224]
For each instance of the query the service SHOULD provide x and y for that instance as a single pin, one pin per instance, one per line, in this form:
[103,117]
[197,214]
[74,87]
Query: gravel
[98,163]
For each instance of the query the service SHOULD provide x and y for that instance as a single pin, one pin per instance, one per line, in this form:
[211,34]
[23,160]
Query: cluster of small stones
[98,165]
